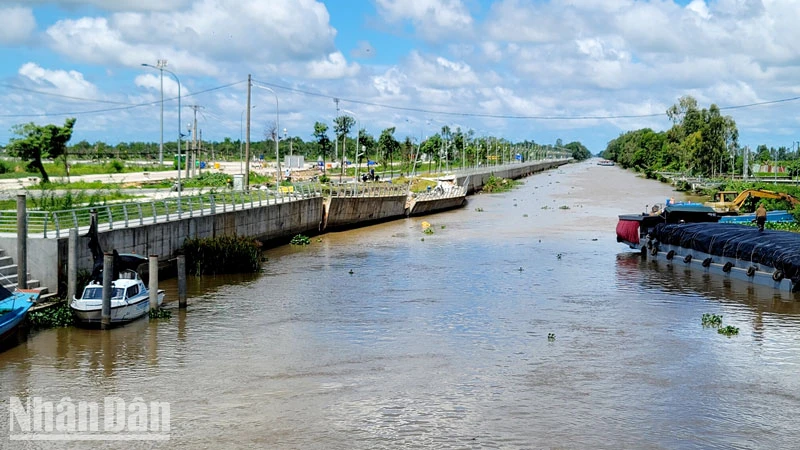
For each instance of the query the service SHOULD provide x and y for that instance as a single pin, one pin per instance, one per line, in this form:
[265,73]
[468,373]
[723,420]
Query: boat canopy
[95,292]
[779,249]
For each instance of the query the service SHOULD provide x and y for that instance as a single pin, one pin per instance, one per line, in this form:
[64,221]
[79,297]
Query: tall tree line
[700,142]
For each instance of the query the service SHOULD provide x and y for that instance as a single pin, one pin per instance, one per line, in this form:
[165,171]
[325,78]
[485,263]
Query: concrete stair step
[11,282]
[49,297]
[7,270]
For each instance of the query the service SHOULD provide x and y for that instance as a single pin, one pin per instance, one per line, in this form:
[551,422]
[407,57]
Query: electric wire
[121,108]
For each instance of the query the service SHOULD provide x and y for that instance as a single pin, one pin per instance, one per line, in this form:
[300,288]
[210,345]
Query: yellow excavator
[729,202]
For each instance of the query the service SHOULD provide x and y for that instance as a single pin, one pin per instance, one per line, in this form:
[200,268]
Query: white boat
[130,300]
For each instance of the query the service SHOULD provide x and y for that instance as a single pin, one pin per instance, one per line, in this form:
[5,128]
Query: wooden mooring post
[22,242]
[72,264]
[108,274]
[153,282]
[181,281]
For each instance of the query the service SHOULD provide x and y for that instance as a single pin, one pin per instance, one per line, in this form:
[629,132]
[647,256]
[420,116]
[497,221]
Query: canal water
[386,337]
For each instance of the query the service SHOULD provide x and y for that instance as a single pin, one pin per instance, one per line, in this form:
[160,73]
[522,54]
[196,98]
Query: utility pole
[200,153]
[247,143]
[194,140]
[336,145]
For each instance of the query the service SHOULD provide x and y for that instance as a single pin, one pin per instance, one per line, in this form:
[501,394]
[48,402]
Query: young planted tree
[388,146]
[323,142]
[367,141]
[342,126]
[271,137]
[40,142]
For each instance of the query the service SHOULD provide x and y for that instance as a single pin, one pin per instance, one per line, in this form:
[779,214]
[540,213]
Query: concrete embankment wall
[478,180]
[47,258]
[347,212]
[422,207]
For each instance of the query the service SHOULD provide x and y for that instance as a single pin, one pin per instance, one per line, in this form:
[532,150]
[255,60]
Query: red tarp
[628,231]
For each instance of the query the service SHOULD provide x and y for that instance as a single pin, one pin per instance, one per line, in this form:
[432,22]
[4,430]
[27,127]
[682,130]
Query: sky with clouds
[540,70]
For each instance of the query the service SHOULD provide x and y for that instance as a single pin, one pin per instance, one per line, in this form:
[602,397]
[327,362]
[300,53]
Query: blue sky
[583,70]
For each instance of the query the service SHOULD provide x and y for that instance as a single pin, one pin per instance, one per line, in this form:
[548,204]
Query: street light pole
[160,65]
[358,134]
[277,128]
[241,137]
[177,80]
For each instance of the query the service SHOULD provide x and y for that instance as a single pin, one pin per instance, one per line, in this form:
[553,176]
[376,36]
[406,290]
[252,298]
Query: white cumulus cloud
[432,19]
[117,5]
[18,25]
[204,38]
[68,83]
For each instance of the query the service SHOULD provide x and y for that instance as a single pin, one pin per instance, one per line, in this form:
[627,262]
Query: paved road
[9,188]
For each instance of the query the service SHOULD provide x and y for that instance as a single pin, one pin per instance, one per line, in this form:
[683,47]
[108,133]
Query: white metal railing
[370,189]
[124,215]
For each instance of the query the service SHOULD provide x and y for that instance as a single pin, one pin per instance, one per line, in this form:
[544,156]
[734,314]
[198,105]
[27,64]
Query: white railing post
[110,218]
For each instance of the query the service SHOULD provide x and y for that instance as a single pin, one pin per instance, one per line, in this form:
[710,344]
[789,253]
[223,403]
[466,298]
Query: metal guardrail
[371,189]
[441,192]
[56,224]
[483,168]
[124,215]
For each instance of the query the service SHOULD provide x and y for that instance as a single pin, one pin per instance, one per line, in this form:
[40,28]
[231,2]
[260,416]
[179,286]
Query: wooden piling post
[72,264]
[22,242]
[153,282]
[108,273]
[181,281]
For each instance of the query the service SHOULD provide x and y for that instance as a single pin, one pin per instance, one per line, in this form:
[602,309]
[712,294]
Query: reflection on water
[679,280]
[442,342]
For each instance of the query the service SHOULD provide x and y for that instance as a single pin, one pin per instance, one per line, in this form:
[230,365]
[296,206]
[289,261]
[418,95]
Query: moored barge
[698,242]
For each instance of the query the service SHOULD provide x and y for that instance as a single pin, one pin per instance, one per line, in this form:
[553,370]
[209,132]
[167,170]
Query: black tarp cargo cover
[779,249]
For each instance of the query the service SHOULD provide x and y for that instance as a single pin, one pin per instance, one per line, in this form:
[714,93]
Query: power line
[52,94]
[507,116]
[337,99]
[121,108]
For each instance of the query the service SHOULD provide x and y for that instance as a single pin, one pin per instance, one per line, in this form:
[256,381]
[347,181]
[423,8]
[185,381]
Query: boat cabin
[632,227]
[121,288]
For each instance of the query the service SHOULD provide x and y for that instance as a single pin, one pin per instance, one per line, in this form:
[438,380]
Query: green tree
[367,141]
[579,151]
[388,146]
[342,126]
[323,142]
[40,142]
[431,147]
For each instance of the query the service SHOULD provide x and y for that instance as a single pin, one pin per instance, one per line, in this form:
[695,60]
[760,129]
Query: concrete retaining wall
[478,180]
[47,258]
[345,212]
[422,207]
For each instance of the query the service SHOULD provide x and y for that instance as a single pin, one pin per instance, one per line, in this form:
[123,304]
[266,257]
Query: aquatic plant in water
[728,330]
[223,254]
[56,316]
[300,240]
[712,320]
[160,313]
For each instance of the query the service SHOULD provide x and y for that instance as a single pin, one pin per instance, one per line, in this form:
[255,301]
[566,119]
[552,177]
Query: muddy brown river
[441,340]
